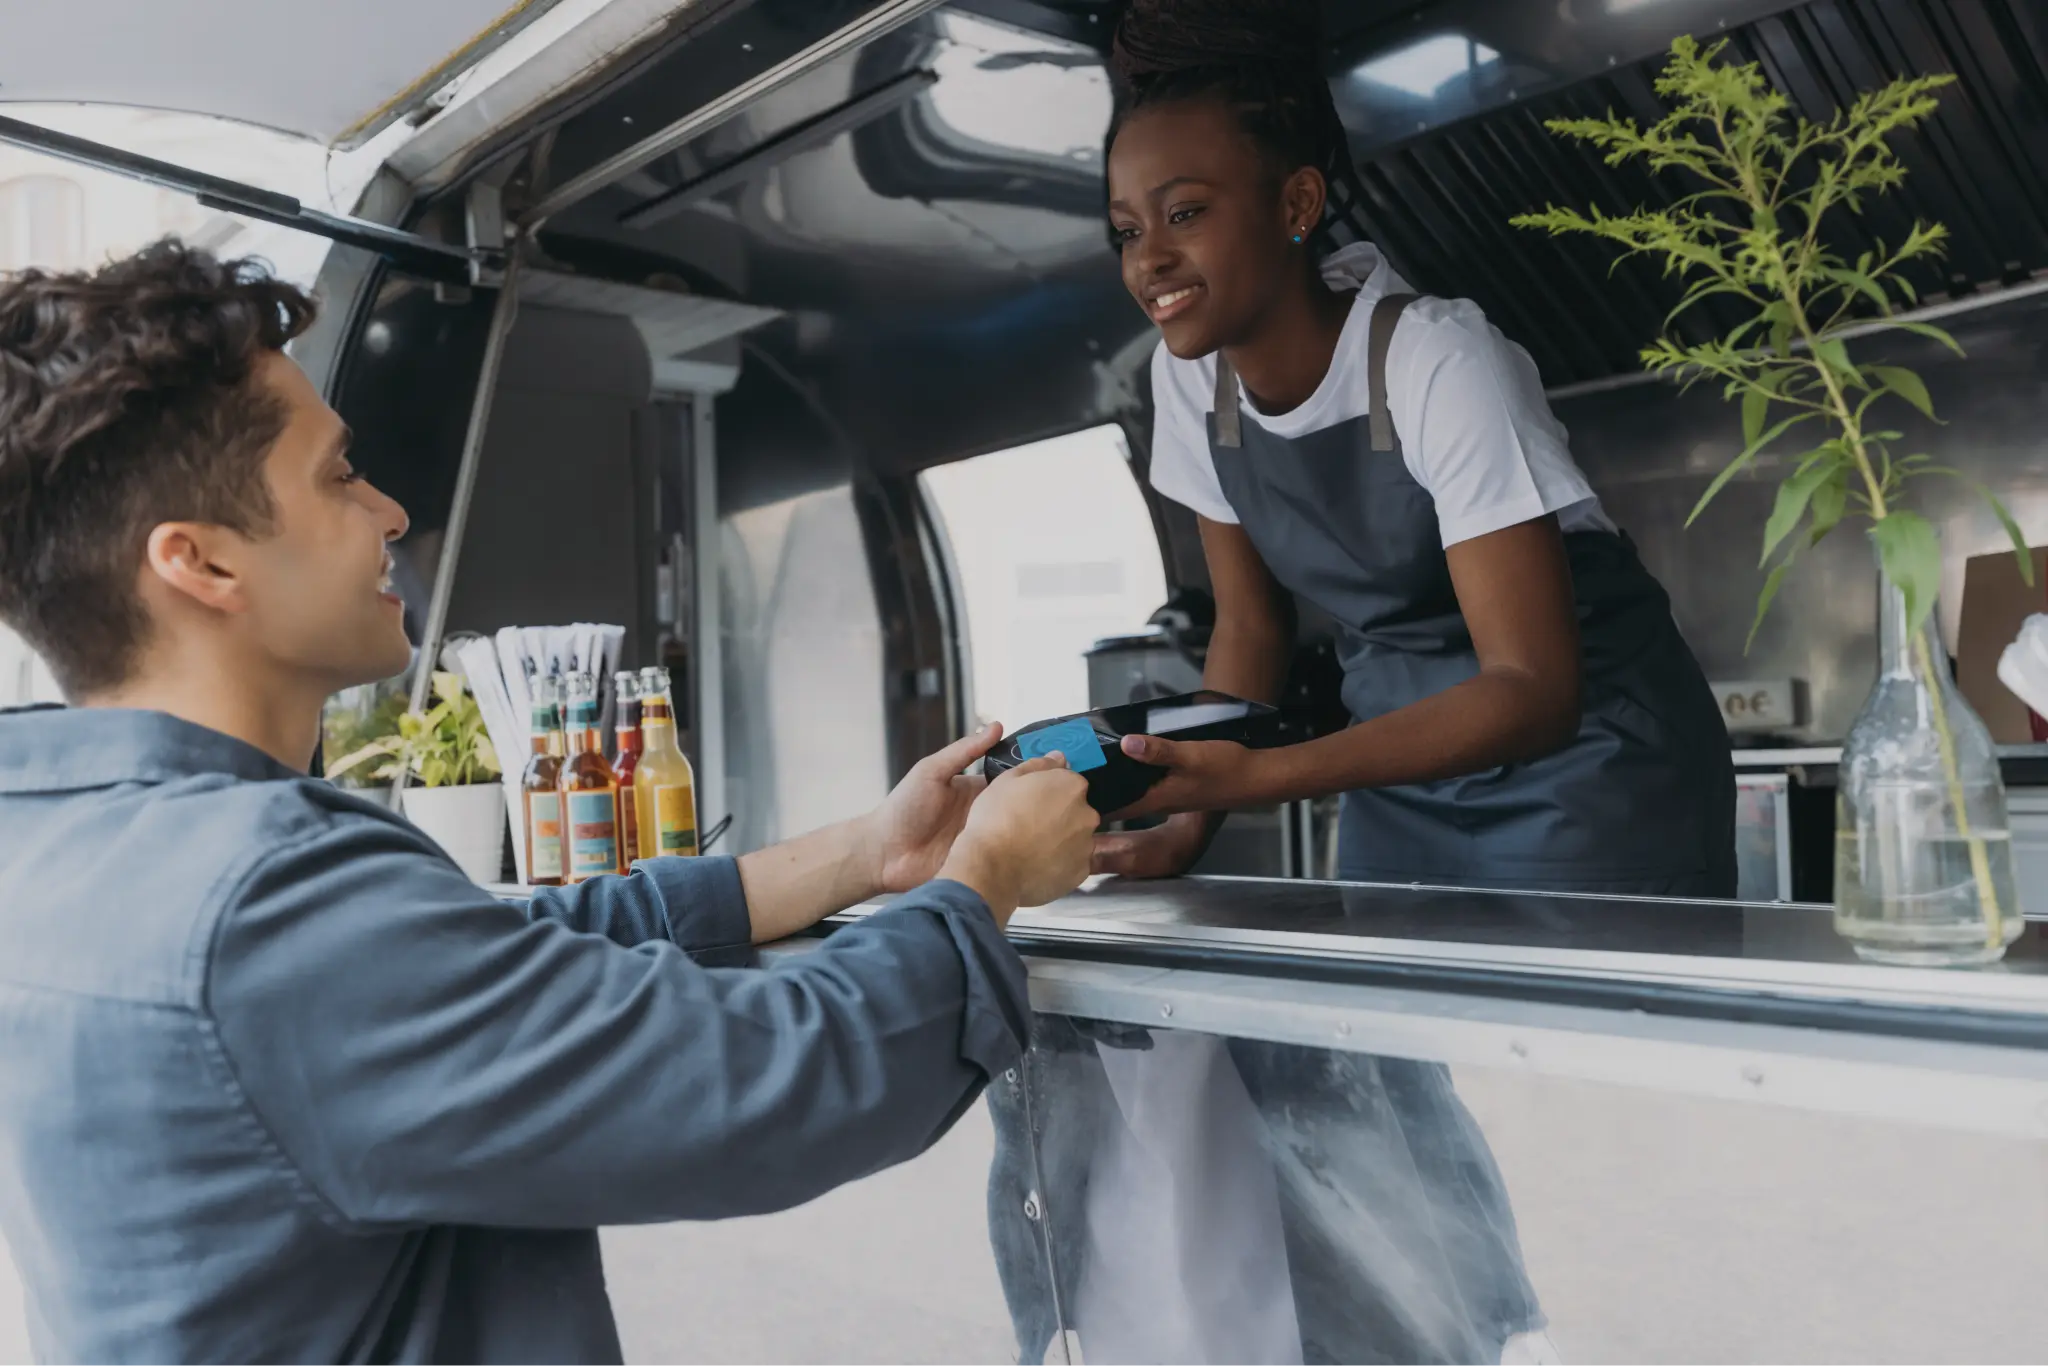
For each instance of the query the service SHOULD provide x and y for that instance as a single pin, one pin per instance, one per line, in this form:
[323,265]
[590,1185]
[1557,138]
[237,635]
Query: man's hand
[913,830]
[1027,840]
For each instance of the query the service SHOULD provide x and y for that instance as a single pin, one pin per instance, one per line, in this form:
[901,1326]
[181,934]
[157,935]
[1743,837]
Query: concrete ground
[1656,1228]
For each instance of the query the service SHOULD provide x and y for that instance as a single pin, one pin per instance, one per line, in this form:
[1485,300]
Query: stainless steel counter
[1776,963]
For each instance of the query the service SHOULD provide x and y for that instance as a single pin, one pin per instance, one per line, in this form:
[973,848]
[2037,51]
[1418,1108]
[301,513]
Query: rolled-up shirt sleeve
[419,1052]
[696,904]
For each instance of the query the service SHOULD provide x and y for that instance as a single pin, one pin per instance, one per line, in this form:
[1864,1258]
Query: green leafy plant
[355,718]
[446,746]
[1760,186]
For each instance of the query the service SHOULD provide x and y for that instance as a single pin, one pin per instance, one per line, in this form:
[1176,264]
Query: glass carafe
[1923,848]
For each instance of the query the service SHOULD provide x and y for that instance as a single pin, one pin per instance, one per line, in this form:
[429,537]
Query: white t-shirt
[1467,403]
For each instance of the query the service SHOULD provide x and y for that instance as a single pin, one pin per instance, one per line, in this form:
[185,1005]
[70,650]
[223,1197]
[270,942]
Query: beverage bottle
[540,786]
[628,751]
[590,790]
[664,785]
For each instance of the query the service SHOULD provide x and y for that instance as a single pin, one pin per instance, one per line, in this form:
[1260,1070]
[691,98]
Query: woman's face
[1205,231]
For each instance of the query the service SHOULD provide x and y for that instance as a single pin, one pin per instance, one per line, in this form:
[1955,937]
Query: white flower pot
[469,822]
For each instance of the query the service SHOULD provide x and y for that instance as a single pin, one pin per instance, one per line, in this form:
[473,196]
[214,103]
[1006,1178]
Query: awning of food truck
[336,71]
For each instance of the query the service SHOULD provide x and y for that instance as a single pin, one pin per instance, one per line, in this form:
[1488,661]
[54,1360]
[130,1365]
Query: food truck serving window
[1054,550]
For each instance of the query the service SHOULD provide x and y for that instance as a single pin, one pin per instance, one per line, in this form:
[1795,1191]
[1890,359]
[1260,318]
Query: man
[281,1084]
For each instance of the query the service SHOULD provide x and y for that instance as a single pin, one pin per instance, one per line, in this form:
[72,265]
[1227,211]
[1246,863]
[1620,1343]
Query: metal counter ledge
[1767,963]
[1724,1000]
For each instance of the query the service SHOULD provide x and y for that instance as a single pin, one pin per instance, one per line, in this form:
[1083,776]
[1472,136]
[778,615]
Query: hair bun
[1156,37]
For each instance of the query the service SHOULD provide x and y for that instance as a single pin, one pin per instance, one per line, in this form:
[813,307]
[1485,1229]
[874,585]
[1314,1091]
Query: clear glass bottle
[540,787]
[1923,848]
[590,790]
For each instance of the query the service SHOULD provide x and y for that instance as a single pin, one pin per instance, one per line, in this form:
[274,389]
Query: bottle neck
[629,739]
[583,729]
[547,731]
[1903,651]
[658,729]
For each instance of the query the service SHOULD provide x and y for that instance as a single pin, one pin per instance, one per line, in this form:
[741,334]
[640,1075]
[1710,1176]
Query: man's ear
[195,559]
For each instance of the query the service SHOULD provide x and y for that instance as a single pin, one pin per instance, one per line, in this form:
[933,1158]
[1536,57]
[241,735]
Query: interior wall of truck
[898,262]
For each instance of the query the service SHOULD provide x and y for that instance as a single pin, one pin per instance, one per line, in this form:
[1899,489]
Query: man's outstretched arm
[416,1052]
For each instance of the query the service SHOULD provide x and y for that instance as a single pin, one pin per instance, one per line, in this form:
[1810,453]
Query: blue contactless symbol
[1075,739]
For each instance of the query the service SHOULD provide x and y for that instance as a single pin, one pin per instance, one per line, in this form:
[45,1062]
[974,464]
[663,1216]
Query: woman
[1527,715]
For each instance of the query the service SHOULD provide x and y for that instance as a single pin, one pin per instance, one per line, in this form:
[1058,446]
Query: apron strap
[1229,432]
[1385,314]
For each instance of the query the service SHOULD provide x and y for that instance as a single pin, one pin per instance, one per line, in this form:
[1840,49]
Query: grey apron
[1642,801]
[1401,1242]
[1401,1245]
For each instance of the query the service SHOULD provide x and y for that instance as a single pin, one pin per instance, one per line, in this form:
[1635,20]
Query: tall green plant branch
[1750,229]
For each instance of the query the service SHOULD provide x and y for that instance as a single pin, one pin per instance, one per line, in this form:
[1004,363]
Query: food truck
[700,316]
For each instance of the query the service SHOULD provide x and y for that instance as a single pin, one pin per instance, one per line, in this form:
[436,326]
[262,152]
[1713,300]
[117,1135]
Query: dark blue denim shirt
[278,1083]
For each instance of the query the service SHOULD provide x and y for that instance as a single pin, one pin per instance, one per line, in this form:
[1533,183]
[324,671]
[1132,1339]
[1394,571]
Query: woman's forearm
[1496,717]
[1248,659]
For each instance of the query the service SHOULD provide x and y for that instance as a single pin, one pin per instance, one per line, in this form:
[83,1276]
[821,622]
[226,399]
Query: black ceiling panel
[1441,205]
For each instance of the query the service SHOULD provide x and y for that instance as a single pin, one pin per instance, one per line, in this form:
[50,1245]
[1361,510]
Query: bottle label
[583,715]
[544,821]
[675,817]
[593,834]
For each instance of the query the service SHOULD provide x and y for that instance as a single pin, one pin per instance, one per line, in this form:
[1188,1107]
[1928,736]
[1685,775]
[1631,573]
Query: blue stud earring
[1297,239]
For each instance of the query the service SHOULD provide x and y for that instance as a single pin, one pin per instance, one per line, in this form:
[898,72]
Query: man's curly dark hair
[127,400]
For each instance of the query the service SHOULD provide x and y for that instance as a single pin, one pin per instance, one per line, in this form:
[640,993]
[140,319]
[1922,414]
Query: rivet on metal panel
[1167,1010]
[1010,1076]
[1753,1075]
[1344,1028]
[1031,1207]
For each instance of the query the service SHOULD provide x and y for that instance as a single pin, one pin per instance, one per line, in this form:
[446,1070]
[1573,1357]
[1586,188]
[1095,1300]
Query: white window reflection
[1423,68]
[1054,550]
[1020,92]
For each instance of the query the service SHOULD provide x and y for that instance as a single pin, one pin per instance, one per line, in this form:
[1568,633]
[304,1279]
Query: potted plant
[1923,852]
[351,720]
[457,801]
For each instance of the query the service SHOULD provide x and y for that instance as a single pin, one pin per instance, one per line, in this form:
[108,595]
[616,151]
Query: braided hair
[1260,57]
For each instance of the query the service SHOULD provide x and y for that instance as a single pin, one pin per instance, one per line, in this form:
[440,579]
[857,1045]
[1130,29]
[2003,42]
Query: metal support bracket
[410,252]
